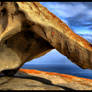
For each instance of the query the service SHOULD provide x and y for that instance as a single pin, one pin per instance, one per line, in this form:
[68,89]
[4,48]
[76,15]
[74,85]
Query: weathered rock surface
[38,80]
[28,30]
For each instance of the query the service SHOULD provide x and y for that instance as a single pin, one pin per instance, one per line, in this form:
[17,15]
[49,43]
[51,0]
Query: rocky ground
[38,80]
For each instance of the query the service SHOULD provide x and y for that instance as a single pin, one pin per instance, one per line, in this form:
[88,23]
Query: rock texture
[28,30]
[39,80]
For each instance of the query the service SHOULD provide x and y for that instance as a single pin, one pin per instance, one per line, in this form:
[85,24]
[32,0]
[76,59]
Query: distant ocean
[64,69]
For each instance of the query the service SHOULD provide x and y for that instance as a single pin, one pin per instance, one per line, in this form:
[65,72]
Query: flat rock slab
[38,80]
[23,81]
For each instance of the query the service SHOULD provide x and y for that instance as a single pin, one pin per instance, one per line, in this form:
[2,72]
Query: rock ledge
[26,79]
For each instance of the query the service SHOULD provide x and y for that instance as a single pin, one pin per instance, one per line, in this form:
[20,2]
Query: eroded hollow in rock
[22,45]
[3,19]
[26,45]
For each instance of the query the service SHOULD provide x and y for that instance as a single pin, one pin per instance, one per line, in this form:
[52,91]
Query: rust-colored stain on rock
[30,71]
[53,73]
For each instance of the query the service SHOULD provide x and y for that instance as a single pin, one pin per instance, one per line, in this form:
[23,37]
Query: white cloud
[82,31]
[89,13]
[65,9]
[77,12]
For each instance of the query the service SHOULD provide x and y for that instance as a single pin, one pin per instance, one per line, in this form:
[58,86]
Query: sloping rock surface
[39,80]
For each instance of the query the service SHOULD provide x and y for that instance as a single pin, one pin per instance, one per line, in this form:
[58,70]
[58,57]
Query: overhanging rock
[28,30]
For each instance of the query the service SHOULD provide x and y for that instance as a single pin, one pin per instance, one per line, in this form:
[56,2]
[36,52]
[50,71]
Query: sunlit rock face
[28,30]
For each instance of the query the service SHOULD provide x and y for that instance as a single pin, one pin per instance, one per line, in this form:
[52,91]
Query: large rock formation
[28,30]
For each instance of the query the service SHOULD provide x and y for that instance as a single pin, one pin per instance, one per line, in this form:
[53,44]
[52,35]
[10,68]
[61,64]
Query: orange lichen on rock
[81,40]
[30,71]
[53,73]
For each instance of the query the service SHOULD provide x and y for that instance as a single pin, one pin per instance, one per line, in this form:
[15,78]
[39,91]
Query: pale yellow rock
[26,79]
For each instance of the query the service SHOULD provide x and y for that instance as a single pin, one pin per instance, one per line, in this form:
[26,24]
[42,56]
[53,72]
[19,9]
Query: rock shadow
[43,80]
[36,78]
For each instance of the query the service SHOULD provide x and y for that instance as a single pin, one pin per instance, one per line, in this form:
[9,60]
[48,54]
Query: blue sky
[78,16]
